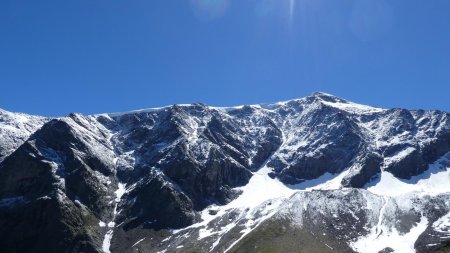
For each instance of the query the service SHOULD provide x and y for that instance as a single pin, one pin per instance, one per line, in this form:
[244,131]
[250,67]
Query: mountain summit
[315,174]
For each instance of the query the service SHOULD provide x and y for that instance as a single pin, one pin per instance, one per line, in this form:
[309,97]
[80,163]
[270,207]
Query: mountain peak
[327,97]
[342,104]
[322,94]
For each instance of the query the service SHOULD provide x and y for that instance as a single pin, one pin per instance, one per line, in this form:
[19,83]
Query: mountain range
[315,174]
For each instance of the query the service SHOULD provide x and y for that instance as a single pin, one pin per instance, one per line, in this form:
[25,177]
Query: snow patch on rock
[433,181]
[381,237]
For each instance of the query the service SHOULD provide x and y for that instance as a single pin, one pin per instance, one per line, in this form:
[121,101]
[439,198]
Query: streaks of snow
[255,217]
[54,160]
[398,156]
[353,107]
[139,241]
[121,190]
[94,135]
[442,225]
[382,236]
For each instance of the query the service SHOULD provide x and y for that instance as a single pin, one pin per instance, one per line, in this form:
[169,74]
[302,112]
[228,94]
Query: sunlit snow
[382,237]
[433,181]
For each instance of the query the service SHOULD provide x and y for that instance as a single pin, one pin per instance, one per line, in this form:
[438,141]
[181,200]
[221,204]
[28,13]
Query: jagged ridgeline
[316,174]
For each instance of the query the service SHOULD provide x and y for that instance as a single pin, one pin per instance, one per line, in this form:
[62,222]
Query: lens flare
[291,10]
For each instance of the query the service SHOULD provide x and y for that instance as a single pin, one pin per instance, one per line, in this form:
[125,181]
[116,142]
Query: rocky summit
[316,174]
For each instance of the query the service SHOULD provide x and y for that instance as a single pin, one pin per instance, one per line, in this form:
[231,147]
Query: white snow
[382,236]
[107,241]
[434,181]
[15,128]
[442,225]
[398,156]
[327,181]
[155,109]
[139,241]
[226,108]
[259,189]
[353,107]
[121,190]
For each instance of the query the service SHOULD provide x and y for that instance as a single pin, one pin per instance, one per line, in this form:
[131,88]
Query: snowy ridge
[15,128]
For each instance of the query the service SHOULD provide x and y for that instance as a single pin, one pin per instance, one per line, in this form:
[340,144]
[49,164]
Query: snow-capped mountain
[15,128]
[316,174]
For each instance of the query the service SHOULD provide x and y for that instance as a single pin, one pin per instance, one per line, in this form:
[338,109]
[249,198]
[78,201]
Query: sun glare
[291,10]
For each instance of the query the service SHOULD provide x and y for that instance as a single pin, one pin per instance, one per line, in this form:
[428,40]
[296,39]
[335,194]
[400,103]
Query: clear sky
[94,56]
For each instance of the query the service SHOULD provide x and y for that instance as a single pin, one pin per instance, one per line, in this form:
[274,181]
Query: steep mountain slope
[54,188]
[316,174]
[15,128]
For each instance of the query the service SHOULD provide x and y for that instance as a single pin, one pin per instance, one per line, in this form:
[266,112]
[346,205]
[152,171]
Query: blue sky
[94,56]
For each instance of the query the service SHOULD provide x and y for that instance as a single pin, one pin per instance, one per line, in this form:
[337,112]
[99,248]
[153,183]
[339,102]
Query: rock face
[188,177]
[58,180]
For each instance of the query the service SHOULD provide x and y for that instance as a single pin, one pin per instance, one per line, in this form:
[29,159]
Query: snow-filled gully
[108,236]
[121,190]
[379,228]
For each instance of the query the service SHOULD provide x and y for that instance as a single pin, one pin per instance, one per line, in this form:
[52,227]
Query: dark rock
[386,250]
